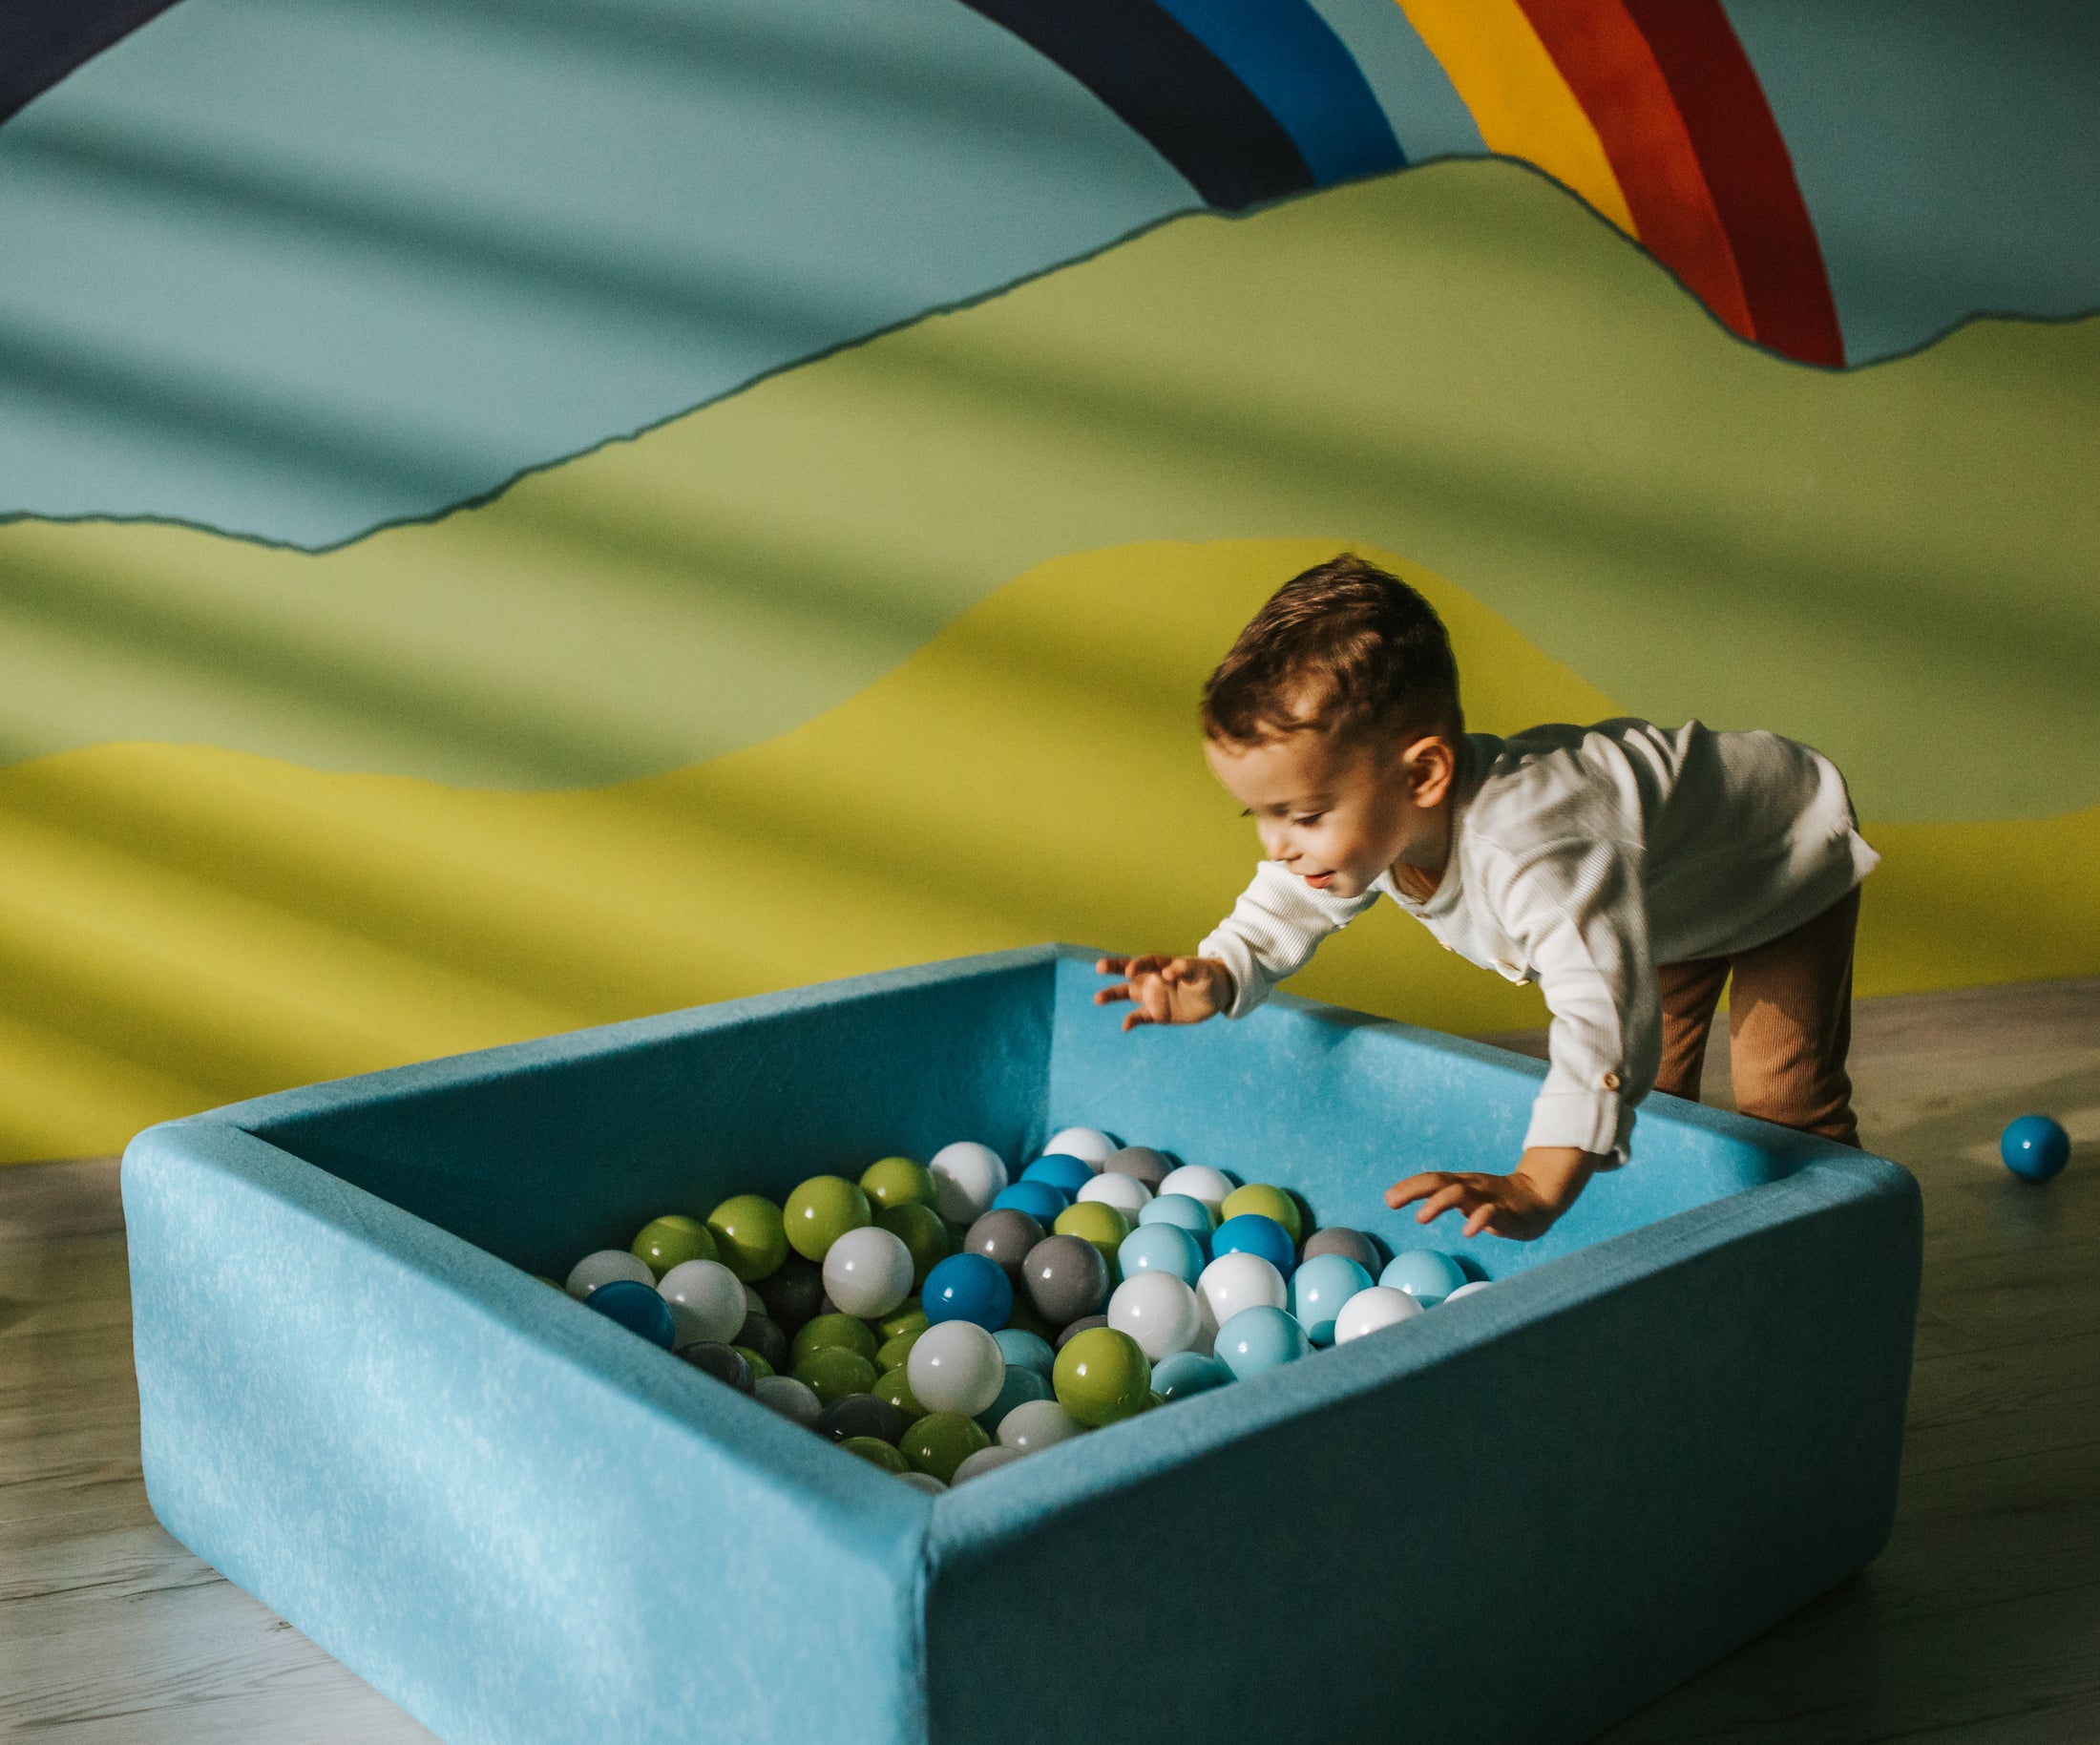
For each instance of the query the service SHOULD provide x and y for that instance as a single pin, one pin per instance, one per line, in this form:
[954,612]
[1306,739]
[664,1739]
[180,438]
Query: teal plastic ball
[1428,1275]
[1187,1373]
[1318,1290]
[1259,1339]
[1161,1248]
[2034,1147]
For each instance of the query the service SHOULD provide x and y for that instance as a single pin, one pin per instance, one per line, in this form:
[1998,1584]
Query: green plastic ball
[919,1227]
[906,1317]
[821,1210]
[898,1181]
[832,1372]
[840,1330]
[759,1365]
[1093,1221]
[895,1386]
[1102,1375]
[751,1235]
[669,1241]
[877,1453]
[1260,1198]
[941,1441]
[893,1354]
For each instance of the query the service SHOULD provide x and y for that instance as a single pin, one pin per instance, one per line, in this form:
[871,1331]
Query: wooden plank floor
[1978,1626]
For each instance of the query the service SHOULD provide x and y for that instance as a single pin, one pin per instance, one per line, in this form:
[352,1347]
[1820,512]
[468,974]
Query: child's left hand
[1521,1206]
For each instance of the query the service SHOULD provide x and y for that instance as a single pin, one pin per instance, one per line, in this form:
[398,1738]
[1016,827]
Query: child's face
[1338,814]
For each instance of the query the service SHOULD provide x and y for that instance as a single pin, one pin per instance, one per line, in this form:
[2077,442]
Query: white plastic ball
[1198,1183]
[1124,1192]
[790,1398]
[1036,1425]
[868,1271]
[1469,1288]
[753,1303]
[967,1178]
[1159,1311]
[603,1268]
[985,1460]
[925,1481]
[706,1301]
[1367,1311]
[1089,1145]
[955,1366]
[1238,1281]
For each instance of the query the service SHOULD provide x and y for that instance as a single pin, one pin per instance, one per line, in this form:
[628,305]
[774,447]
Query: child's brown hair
[1344,648]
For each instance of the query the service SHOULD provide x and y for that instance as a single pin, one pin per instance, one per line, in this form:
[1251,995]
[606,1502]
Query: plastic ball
[862,1415]
[956,1366]
[1065,1278]
[923,1480]
[762,1334]
[793,1292]
[1161,1248]
[868,1271]
[1084,1324]
[1124,1192]
[1233,1283]
[1268,1202]
[1026,1350]
[967,1178]
[1319,1290]
[1472,1287]
[1054,1170]
[1003,1236]
[984,1461]
[1367,1311]
[753,1303]
[758,1364]
[1149,1166]
[845,1331]
[833,1372]
[821,1210]
[1257,1341]
[1187,1373]
[1020,1386]
[706,1301]
[1255,1232]
[663,1242]
[1040,1200]
[1200,1182]
[1183,1213]
[924,1233]
[941,1441]
[606,1267]
[1158,1310]
[894,1353]
[1350,1244]
[724,1362]
[967,1288]
[895,1386]
[1036,1424]
[1089,1145]
[877,1453]
[1103,1376]
[1428,1275]
[750,1237]
[792,1399]
[1090,1220]
[2034,1147]
[890,1182]
[908,1317]
[635,1307]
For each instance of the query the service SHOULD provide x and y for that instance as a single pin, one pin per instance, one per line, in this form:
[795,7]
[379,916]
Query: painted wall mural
[519,516]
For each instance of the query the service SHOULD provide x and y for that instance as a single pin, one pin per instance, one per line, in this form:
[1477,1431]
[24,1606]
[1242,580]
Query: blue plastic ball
[2034,1147]
[1020,1386]
[967,1288]
[1161,1248]
[1428,1275]
[1040,1200]
[1318,1290]
[1026,1350]
[1252,1233]
[1187,1374]
[1259,1339]
[1184,1209]
[1067,1174]
[635,1307]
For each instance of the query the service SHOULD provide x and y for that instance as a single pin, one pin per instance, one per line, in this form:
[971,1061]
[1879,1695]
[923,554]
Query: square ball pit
[1516,1518]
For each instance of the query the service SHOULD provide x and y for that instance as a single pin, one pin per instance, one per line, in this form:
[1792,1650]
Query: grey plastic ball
[1349,1244]
[862,1415]
[1066,1277]
[1149,1166]
[1079,1327]
[1004,1236]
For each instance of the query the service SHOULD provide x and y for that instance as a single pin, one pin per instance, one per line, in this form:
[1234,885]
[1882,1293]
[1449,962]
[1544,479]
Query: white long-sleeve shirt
[1580,858]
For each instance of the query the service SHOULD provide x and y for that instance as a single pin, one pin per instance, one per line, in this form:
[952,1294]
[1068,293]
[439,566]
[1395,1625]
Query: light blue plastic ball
[1318,1290]
[2034,1147]
[967,1288]
[1426,1274]
[1259,1339]
[1253,1233]
[1020,1386]
[1040,1200]
[1187,1374]
[1066,1175]
[1184,1210]
[1026,1350]
[1161,1248]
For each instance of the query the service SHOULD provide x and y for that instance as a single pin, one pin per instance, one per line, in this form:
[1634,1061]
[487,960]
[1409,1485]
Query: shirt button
[1611,1081]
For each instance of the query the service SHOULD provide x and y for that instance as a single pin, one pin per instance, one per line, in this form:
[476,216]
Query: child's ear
[1432,766]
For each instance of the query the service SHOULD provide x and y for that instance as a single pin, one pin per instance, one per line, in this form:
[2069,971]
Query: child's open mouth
[1320,881]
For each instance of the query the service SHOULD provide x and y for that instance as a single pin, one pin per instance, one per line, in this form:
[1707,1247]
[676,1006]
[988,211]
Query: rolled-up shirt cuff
[1249,986]
[1600,1123]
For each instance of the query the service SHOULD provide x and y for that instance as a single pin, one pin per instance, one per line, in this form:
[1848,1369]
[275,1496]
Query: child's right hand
[1166,990]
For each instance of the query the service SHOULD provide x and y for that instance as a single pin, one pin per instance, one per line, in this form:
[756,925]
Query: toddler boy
[1629,869]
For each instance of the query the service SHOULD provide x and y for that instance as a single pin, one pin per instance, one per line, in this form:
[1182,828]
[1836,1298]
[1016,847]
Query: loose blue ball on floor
[635,1307]
[967,1288]
[2034,1149]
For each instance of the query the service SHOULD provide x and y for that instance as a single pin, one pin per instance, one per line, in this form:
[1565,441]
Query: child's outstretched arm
[1522,1205]
[1166,990]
